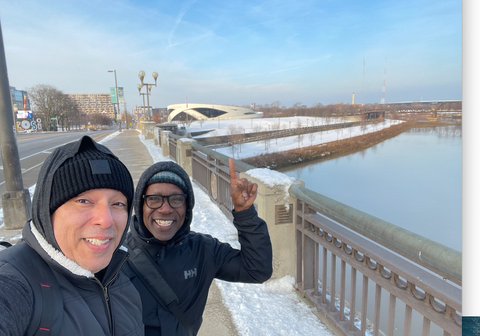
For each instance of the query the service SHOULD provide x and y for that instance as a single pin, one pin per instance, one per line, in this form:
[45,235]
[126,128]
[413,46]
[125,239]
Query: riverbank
[334,149]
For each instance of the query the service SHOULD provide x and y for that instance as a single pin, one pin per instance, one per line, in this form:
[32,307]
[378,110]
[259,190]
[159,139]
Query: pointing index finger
[233,172]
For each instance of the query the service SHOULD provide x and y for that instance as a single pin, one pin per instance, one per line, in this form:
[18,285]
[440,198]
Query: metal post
[118,104]
[126,115]
[148,106]
[16,201]
[143,96]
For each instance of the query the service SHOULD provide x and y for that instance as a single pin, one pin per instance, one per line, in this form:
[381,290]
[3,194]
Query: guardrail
[404,282]
[238,139]
[327,251]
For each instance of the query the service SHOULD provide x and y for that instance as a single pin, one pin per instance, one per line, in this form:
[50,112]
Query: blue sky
[239,52]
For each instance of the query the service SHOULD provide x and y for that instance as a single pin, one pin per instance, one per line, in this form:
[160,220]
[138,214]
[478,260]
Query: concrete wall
[184,154]
[165,147]
[282,235]
[148,129]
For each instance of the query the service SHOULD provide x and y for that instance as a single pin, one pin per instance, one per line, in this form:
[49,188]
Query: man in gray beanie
[173,267]
[64,277]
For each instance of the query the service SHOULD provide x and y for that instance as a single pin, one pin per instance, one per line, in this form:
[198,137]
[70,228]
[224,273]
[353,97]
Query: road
[34,148]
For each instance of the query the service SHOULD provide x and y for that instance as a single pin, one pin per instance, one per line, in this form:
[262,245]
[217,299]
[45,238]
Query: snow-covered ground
[225,127]
[292,142]
[241,151]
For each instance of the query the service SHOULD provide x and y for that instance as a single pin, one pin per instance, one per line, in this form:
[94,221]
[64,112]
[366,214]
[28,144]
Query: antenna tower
[363,80]
[382,101]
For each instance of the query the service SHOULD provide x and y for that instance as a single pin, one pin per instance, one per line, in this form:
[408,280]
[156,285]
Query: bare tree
[299,123]
[257,128]
[201,121]
[46,102]
[363,123]
[235,134]
[275,106]
[300,140]
[276,127]
[157,118]
[311,136]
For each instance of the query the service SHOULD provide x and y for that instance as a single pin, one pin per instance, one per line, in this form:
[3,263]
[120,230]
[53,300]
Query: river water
[413,180]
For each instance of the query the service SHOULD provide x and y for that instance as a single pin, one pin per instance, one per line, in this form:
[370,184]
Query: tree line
[48,103]
[275,109]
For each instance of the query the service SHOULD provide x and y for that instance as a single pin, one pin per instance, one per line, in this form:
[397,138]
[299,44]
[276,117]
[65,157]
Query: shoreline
[334,149]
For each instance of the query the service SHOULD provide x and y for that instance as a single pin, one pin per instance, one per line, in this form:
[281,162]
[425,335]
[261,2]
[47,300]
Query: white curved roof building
[209,112]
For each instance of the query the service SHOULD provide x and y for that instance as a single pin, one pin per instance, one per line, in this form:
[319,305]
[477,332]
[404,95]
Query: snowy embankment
[252,149]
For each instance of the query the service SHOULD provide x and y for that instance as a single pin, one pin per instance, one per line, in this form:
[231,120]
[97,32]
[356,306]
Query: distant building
[19,99]
[194,111]
[92,103]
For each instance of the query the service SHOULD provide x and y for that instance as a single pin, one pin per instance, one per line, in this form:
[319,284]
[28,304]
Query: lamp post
[139,87]
[118,105]
[141,75]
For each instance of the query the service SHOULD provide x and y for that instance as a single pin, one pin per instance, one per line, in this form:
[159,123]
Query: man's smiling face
[165,221]
[88,228]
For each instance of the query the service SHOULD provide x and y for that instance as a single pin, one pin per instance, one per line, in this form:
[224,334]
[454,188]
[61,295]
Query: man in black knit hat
[73,244]
[173,267]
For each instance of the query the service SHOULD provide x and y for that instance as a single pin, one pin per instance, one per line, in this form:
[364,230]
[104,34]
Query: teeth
[97,242]
[163,222]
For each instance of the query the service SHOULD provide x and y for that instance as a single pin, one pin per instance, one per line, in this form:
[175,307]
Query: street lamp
[139,87]
[118,105]
[141,75]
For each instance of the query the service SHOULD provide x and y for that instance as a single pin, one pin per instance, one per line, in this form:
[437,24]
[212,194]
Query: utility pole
[118,104]
[126,114]
[16,201]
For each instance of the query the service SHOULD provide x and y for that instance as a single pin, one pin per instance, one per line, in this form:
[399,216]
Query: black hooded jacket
[190,260]
[92,304]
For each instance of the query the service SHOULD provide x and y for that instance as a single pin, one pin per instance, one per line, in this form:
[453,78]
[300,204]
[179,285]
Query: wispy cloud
[183,10]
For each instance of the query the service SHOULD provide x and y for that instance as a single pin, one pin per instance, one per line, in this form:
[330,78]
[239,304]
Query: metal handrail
[239,165]
[432,255]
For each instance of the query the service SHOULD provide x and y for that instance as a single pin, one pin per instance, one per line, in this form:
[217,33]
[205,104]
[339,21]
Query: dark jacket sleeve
[253,262]
[16,303]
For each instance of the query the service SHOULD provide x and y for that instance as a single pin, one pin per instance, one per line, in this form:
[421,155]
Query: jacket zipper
[106,296]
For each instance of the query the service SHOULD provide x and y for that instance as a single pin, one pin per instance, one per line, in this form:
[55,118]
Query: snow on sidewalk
[268,309]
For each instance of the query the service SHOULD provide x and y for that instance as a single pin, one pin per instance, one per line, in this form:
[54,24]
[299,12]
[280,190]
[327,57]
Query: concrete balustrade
[165,140]
[184,154]
[271,206]
[148,129]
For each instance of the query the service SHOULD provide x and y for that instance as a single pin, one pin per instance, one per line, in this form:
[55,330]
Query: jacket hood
[41,218]
[137,219]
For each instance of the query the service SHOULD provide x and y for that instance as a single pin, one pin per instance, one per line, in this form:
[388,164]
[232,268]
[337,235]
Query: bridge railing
[365,275]
[338,246]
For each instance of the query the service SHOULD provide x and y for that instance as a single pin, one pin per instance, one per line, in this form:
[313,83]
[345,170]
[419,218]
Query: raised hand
[242,191]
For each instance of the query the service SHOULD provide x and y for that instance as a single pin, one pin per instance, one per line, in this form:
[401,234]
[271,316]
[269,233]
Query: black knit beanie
[89,169]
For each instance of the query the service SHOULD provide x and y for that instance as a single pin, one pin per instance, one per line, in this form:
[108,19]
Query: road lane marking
[27,170]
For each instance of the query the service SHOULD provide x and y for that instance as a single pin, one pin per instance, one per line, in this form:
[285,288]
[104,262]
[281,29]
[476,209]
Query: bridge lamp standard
[148,90]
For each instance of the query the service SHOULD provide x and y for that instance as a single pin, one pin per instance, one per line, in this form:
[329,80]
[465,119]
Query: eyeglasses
[156,201]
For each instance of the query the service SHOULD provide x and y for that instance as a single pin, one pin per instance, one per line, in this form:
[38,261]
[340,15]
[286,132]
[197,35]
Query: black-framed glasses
[156,201]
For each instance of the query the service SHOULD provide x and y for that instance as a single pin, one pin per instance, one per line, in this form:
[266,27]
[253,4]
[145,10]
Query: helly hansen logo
[190,273]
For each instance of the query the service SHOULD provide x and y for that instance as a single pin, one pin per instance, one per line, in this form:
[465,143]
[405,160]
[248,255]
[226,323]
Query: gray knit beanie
[167,176]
